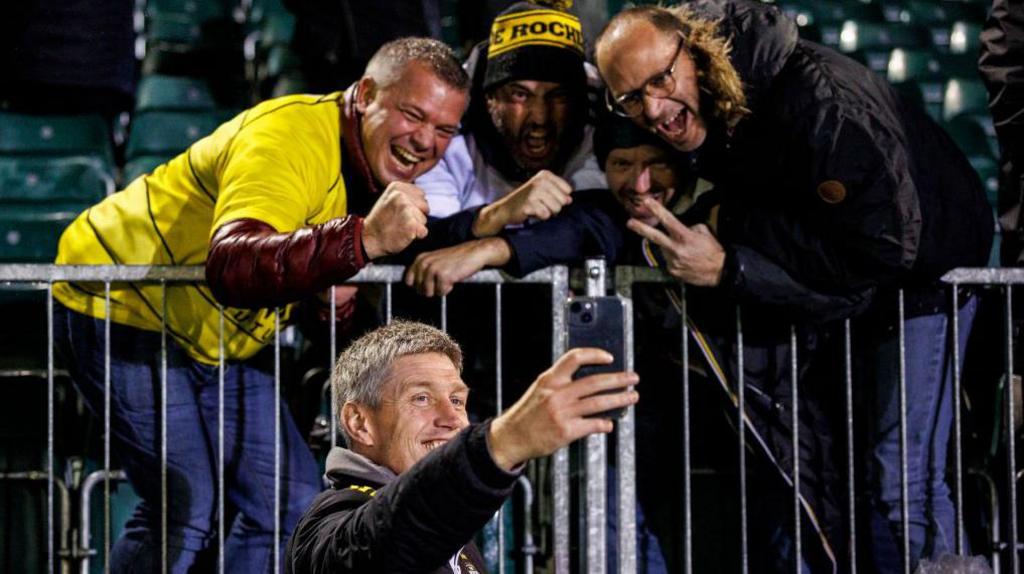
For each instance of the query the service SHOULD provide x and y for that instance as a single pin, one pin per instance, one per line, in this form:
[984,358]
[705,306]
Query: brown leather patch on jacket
[832,191]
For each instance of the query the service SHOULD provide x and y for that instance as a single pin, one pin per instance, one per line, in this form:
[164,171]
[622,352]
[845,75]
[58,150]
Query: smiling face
[531,118]
[637,173]
[423,405]
[635,51]
[408,124]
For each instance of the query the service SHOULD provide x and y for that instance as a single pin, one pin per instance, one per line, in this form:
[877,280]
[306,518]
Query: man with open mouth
[525,143]
[279,203]
[838,199]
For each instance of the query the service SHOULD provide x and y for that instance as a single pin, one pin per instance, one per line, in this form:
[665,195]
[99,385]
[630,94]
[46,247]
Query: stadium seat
[969,137]
[172,93]
[262,9]
[828,16]
[964,95]
[965,38]
[932,14]
[35,179]
[141,166]
[36,135]
[191,10]
[873,42]
[41,196]
[170,133]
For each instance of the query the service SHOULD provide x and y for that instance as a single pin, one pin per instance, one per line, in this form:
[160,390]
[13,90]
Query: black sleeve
[593,224]
[414,524]
[1002,68]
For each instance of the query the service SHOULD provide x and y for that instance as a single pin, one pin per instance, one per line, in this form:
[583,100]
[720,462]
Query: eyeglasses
[661,85]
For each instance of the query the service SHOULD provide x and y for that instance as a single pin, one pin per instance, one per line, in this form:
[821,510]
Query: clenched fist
[398,217]
[542,197]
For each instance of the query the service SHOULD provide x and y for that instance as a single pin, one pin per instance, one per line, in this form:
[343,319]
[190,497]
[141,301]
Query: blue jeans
[192,448]
[929,378]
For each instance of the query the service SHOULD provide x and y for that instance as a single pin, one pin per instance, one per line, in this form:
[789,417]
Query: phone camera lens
[586,317]
[575,307]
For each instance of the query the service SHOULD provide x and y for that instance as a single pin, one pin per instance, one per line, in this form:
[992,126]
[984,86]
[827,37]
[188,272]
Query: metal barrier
[593,544]
[556,277]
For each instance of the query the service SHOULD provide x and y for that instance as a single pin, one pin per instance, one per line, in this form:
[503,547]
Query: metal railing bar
[163,429]
[499,408]
[51,562]
[277,442]
[904,473]
[596,465]
[221,492]
[850,456]
[560,478]
[1011,457]
[626,457]
[795,421]
[42,273]
[957,424]
[741,431]
[106,427]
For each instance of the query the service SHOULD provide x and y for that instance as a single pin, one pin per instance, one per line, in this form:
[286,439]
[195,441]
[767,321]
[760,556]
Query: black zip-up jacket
[834,191]
[374,521]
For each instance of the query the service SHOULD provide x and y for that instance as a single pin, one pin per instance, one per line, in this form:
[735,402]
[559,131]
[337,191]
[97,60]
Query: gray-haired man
[419,480]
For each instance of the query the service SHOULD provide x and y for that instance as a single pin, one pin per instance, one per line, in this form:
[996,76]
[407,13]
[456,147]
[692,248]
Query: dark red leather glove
[252,266]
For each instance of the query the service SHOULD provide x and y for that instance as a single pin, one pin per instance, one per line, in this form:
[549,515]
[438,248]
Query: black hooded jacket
[374,521]
[834,190]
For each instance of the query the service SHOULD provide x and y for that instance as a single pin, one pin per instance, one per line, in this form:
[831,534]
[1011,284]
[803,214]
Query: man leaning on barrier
[835,194]
[273,204]
[524,147]
[418,481]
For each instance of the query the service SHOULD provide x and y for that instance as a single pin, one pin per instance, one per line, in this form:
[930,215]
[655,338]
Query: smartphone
[598,322]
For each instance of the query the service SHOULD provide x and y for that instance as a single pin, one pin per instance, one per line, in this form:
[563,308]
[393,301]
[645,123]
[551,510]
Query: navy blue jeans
[192,448]
[929,377]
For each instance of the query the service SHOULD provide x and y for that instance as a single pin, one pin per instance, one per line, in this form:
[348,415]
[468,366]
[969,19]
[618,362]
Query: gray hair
[363,367]
[390,61]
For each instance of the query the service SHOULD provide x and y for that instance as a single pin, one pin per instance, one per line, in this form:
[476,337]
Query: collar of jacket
[492,146]
[343,466]
[355,168]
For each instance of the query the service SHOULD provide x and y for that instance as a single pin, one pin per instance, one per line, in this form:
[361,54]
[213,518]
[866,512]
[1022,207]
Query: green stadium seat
[965,38]
[141,166]
[277,30]
[174,31]
[22,134]
[280,60]
[192,10]
[291,83]
[263,9]
[970,138]
[31,234]
[828,15]
[173,93]
[170,133]
[39,197]
[873,42]
[935,15]
[988,172]
[35,179]
[964,95]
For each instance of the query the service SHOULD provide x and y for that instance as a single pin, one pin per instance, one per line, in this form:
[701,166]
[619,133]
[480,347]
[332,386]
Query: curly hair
[718,80]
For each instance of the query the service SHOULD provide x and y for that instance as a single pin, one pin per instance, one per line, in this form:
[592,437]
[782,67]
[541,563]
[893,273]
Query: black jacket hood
[761,38]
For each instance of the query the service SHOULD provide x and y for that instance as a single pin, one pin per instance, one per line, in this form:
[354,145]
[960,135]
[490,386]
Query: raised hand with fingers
[437,272]
[541,197]
[398,218]
[692,254]
[556,410]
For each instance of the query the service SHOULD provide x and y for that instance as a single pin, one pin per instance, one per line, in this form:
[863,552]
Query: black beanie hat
[617,132]
[531,42]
